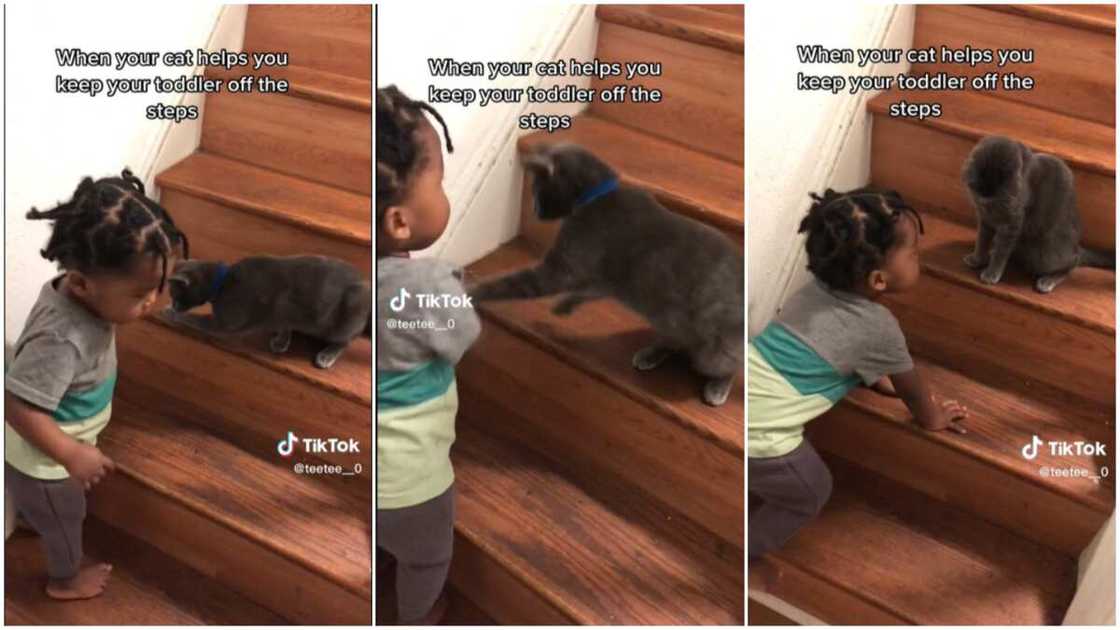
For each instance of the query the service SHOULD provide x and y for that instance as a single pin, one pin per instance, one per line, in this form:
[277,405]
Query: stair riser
[930,178]
[237,397]
[220,553]
[828,603]
[334,38]
[897,452]
[298,136]
[1020,348]
[499,593]
[220,232]
[1074,69]
[541,234]
[701,86]
[589,425]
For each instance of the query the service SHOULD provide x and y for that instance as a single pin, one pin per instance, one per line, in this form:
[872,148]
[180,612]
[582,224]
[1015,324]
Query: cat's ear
[539,163]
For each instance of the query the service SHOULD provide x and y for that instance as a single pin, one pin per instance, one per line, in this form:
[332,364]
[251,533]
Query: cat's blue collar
[603,188]
[219,280]
[607,186]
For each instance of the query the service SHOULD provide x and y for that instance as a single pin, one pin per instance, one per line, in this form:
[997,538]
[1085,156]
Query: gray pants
[419,538]
[56,509]
[791,489]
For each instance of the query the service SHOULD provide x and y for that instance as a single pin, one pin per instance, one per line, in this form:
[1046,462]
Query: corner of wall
[489,193]
[175,141]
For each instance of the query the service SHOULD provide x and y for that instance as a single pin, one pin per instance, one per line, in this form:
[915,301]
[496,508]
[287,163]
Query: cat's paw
[972,261]
[650,357]
[1046,284]
[327,357]
[990,276]
[280,342]
[565,307]
[716,391]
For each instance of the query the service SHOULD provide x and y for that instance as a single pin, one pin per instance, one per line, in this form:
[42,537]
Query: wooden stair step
[232,209]
[692,183]
[312,83]
[701,87]
[582,398]
[931,178]
[146,587]
[984,471]
[880,554]
[297,545]
[1097,17]
[534,548]
[229,386]
[336,38]
[1086,298]
[1073,68]
[694,23]
[306,138]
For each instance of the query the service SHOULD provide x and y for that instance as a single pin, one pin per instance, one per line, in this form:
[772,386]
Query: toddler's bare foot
[89,582]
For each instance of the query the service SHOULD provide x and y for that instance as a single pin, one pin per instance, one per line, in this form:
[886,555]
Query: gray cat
[616,241]
[318,296]
[1027,213]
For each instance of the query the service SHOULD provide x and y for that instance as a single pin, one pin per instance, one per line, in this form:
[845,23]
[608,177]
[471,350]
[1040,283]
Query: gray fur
[321,297]
[1026,213]
[684,277]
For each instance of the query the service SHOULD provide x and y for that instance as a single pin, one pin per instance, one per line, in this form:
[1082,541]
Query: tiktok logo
[1030,451]
[397,303]
[285,446]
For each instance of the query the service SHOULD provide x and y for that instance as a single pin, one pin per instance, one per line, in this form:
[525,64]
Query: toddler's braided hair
[107,224]
[398,152]
[850,233]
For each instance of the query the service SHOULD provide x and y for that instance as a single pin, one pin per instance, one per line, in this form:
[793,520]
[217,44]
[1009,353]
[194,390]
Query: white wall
[55,139]
[802,142]
[483,176]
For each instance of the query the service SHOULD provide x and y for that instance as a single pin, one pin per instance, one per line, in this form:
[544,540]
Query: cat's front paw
[972,261]
[280,342]
[650,357]
[990,276]
[716,391]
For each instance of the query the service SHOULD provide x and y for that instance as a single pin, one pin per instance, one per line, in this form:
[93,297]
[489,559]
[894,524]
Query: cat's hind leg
[719,365]
[327,356]
[280,342]
[1046,283]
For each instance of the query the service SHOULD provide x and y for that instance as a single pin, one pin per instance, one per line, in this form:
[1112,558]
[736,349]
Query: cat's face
[562,173]
[992,168]
[187,286]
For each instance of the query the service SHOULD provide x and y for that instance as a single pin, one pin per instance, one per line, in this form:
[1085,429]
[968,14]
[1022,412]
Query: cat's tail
[1096,258]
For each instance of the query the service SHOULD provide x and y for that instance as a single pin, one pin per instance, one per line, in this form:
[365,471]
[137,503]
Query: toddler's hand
[949,412]
[88,465]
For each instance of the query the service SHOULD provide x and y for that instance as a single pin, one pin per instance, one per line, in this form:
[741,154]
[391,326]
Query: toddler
[114,246]
[831,336]
[420,338]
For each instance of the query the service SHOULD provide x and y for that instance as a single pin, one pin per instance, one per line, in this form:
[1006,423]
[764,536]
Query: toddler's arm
[929,413]
[84,462]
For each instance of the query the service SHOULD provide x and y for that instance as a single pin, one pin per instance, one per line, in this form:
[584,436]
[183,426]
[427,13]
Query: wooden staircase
[204,521]
[941,528]
[589,492]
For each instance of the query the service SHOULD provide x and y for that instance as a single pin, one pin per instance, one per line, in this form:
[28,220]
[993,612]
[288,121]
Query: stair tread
[600,337]
[700,185]
[318,207]
[1097,17]
[146,587]
[625,563]
[350,377]
[695,23]
[1000,423]
[1086,297]
[308,82]
[320,523]
[868,543]
[1081,143]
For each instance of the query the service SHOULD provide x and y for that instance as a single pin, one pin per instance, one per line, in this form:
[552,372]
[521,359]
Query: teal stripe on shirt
[800,365]
[77,406]
[412,387]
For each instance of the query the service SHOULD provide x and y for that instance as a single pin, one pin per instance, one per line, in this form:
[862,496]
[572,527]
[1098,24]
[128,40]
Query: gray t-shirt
[66,364]
[852,333]
[422,313]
